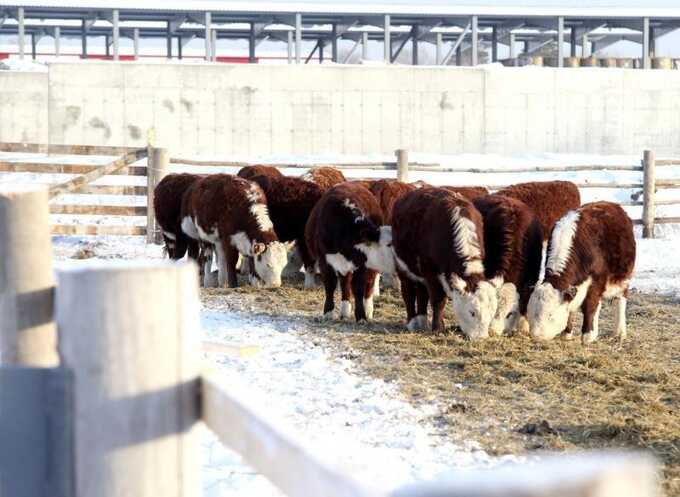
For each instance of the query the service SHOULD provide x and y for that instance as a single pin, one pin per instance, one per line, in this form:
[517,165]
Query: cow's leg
[358,287]
[522,322]
[345,296]
[221,265]
[308,262]
[208,252]
[232,259]
[372,278]
[591,316]
[181,244]
[568,332]
[422,299]
[408,294]
[438,300]
[376,285]
[330,281]
[193,249]
[620,323]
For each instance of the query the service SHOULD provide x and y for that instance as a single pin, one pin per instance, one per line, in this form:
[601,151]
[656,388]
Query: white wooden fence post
[649,187]
[402,165]
[157,168]
[130,335]
[27,330]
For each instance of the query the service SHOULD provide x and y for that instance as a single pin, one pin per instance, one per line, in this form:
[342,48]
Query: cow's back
[550,200]
[249,172]
[167,200]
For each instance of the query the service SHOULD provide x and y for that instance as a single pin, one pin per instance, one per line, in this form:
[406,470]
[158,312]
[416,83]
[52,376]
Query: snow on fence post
[28,333]
[402,165]
[649,186]
[157,168]
[129,333]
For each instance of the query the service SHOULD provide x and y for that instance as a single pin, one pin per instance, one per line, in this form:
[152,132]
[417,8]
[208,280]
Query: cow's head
[376,245]
[548,310]
[270,259]
[507,312]
[474,309]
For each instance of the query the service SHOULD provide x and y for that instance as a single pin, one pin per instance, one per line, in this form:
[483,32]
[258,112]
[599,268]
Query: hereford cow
[439,248]
[550,200]
[346,236]
[469,192]
[167,205]
[591,255]
[231,213]
[290,201]
[249,172]
[513,245]
[325,177]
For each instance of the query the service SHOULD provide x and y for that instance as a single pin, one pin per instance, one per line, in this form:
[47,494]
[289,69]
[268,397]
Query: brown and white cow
[513,243]
[591,255]
[439,249]
[550,200]
[325,177]
[346,236]
[167,205]
[290,201]
[249,172]
[231,213]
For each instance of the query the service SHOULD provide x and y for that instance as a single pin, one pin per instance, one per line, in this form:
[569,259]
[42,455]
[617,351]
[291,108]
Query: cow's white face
[270,260]
[474,311]
[548,312]
[507,312]
[379,256]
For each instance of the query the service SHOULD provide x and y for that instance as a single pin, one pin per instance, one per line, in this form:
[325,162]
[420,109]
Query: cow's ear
[258,248]
[570,293]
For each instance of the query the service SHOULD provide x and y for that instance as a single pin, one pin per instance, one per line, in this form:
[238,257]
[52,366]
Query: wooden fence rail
[159,161]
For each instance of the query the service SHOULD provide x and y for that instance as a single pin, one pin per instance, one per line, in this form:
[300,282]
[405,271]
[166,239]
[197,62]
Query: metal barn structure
[456,30]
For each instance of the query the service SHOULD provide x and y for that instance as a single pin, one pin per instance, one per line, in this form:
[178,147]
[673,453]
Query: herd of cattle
[483,251]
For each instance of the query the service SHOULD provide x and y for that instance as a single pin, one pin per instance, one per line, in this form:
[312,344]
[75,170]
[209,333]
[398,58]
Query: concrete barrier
[23,107]
[210,109]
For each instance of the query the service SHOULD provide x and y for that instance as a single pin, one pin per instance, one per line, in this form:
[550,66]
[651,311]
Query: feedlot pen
[511,394]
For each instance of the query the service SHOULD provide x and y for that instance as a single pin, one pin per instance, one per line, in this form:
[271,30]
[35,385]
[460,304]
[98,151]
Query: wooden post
[157,167]
[128,333]
[649,186]
[27,331]
[402,165]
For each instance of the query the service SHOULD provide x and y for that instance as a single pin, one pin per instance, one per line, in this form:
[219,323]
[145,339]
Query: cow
[439,252]
[591,256]
[290,201]
[325,177]
[550,200]
[167,206]
[231,213]
[249,172]
[469,192]
[513,247]
[346,236]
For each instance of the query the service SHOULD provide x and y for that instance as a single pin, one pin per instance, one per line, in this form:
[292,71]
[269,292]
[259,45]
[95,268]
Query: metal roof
[431,8]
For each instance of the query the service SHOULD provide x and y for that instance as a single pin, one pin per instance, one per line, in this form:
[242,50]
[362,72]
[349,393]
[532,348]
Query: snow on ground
[346,418]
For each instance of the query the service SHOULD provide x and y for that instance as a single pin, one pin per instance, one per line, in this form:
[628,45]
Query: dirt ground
[511,394]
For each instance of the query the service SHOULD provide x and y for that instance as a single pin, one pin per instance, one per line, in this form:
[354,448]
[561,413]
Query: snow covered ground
[361,424]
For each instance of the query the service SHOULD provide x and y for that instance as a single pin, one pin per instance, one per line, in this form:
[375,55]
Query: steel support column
[560,41]
[298,38]
[387,39]
[21,32]
[646,61]
[116,34]
[475,40]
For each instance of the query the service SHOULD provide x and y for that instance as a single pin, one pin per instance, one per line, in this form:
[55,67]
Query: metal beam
[364,46]
[414,49]
[213,44]
[387,39]
[57,41]
[116,34]
[560,41]
[456,45]
[401,47]
[207,21]
[439,47]
[494,44]
[646,61]
[135,42]
[298,38]
[334,43]
[311,54]
[352,50]
[251,43]
[22,31]
[289,36]
[511,42]
[168,40]
[475,40]
[83,39]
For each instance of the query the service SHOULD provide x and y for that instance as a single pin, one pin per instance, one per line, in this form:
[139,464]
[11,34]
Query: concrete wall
[23,107]
[203,109]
